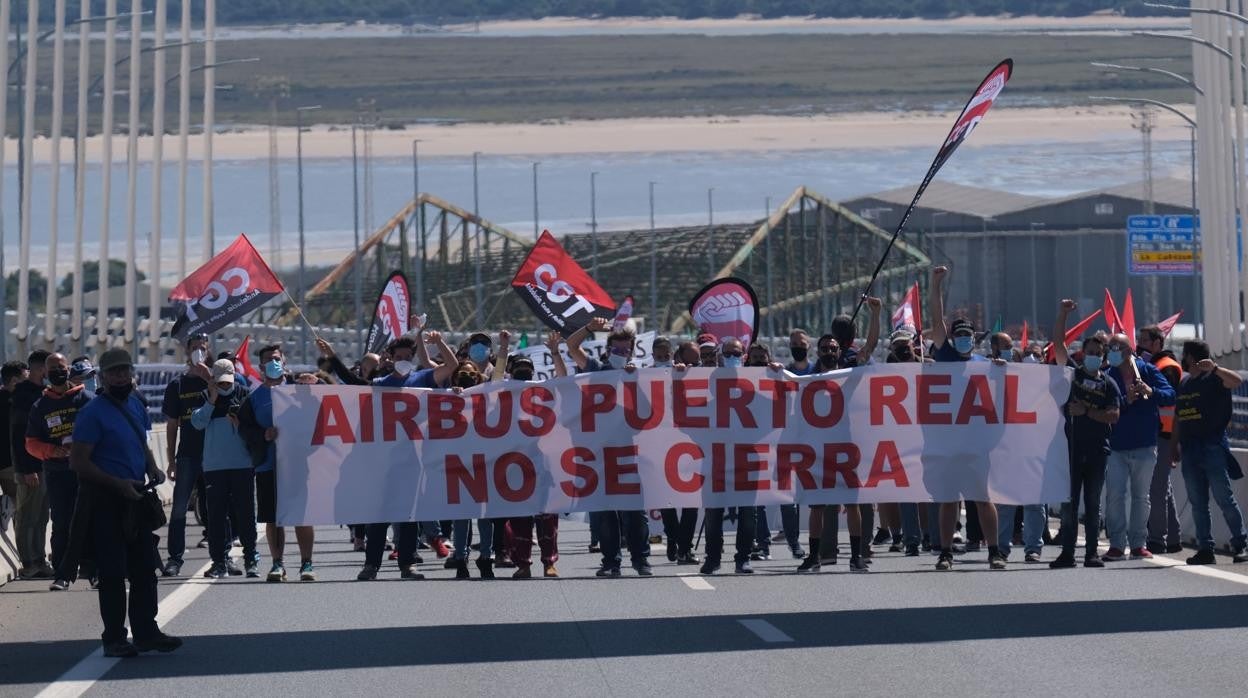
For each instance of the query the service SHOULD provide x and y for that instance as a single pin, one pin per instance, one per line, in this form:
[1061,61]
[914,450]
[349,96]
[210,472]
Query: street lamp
[476,215]
[303,327]
[537,231]
[1154,71]
[710,231]
[593,219]
[654,254]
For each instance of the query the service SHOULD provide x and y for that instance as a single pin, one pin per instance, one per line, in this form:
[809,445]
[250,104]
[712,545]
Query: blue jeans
[636,531]
[188,471]
[1034,521]
[1204,471]
[1128,472]
[485,529]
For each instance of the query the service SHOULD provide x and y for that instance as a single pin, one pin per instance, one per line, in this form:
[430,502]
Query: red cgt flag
[232,284]
[558,290]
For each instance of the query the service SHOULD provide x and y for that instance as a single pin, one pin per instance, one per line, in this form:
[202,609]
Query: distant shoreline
[854,131]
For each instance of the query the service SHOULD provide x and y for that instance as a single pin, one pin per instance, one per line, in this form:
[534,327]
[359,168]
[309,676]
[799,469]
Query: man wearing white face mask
[184,445]
[255,424]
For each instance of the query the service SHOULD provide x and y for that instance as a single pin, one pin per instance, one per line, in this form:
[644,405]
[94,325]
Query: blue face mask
[273,370]
[732,362]
[1114,357]
[964,344]
[478,352]
[91,384]
[1091,364]
[662,364]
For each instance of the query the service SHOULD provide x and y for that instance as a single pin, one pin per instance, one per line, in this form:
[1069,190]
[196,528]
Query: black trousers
[715,533]
[635,529]
[62,494]
[121,558]
[231,496]
[1087,476]
[409,538]
[680,527]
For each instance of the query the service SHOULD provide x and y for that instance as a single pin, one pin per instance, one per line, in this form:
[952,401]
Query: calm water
[741,182]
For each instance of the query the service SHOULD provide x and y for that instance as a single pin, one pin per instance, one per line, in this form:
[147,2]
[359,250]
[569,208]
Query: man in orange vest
[1163,520]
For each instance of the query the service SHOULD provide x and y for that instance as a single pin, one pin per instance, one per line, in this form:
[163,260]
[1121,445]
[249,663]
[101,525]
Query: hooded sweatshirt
[224,448]
[50,424]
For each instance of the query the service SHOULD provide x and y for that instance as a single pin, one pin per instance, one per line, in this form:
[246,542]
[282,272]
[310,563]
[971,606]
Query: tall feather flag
[973,113]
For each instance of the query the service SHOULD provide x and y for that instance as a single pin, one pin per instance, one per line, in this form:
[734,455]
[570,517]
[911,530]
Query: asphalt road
[1133,628]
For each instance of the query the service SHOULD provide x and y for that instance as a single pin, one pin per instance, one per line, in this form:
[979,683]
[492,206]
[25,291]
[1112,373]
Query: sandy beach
[690,134]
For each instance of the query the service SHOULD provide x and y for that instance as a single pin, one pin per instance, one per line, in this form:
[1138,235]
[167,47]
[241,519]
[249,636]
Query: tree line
[277,11]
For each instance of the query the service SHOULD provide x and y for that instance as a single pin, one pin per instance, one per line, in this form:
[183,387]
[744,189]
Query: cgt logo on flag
[558,290]
[391,313]
[232,284]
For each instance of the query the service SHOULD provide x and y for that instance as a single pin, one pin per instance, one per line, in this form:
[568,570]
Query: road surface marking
[695,582]
[765,630]
[1202,570]
[83,675]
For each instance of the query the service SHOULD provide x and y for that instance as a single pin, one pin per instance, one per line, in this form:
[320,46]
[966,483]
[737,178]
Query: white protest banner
[655,438]
[544,367]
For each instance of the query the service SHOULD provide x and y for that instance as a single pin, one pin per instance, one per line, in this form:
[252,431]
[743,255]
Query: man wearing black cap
[957,343]
[110,455]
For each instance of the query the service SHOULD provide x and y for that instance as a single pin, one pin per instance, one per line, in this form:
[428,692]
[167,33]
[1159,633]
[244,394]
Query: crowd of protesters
[79,462]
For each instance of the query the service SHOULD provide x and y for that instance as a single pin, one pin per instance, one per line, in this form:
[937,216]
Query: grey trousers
[31,522]
[1163,520]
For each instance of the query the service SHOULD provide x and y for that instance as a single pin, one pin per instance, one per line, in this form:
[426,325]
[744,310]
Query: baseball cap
[114,358]
[479,338]
[904,333]
[961,325]
[223,371]
[707,340]
[81,370]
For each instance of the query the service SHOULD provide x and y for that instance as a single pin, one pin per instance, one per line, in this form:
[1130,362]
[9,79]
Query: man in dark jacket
[49,433]
[31,522]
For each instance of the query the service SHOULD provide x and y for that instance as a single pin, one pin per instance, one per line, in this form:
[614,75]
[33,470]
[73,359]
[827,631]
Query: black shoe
[486,567]
[1174,548]
[461,569]
[743,567]
[450,564]
[944,563]
[253,569]
[912,550]
[159,642]
[1062,562]
[409,572]
[709,567]
[894,548]
[216,572]
[761,554]
[418,560]
[233,569]
[172,568]
[120,648]
[595,548]
[882,536]
[926,545]
[59,585]
[672,553]
[368,574]
[1093,561]
[798,553]
[643,569]
[810,564]
[688,559]
[1203,557]
[858,564]
[1156,547]
[613,571]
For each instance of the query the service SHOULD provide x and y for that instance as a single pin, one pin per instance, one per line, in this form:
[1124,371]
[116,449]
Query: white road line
[1202,570]
[83,675]
[695,582]
[765,630]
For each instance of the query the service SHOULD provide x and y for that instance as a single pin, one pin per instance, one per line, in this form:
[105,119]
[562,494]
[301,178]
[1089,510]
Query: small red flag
[1127,321]
[243,359]
[908,312]
[1167,326]
[1023,340]
[1072,334]
[1111,314]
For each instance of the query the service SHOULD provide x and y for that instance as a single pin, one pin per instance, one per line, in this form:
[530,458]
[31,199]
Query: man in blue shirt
[110,455]
[956,342]
[1133,449]
[255,424]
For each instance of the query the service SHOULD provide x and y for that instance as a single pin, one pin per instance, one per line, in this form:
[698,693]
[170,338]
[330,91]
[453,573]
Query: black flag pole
[976,107]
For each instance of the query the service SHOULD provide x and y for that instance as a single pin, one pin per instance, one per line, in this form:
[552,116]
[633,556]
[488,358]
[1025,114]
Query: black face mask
[756,362]
[828,360]
[904,355]
[58,377]
[120,392]
[523,375]
[799,353]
